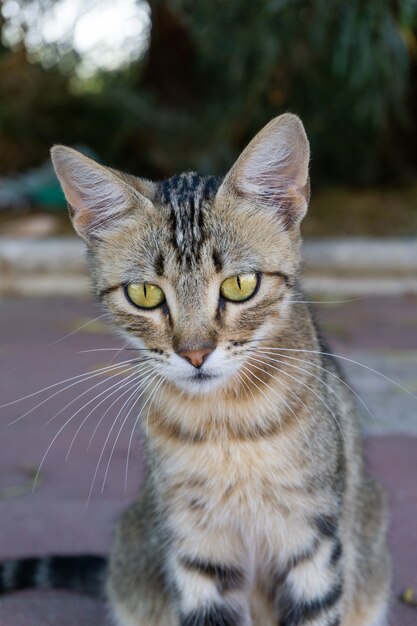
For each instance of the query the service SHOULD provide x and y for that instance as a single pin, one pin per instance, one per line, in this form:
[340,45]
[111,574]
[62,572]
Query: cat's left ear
[272,171]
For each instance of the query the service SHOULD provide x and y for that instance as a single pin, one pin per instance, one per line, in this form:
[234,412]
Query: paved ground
[379,332]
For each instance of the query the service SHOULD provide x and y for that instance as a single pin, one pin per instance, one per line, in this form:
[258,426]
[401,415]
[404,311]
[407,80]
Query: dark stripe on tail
[84,574]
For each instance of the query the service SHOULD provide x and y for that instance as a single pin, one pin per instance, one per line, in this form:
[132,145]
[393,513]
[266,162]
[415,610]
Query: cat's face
[194,270]
[193,258]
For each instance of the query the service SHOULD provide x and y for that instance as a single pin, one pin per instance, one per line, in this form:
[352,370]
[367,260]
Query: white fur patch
[196,590]
[217,367]
[313,578]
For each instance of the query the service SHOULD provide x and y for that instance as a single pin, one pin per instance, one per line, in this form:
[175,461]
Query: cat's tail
[84,574]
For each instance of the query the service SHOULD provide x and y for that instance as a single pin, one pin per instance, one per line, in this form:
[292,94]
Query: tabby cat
[256,509]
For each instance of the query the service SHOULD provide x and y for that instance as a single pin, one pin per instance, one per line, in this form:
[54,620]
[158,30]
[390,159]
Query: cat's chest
[242,485]
[255,494]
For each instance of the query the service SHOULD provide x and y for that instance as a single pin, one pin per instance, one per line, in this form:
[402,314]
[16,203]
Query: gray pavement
[394,411]
[40,345]
[380,333]
[56,266]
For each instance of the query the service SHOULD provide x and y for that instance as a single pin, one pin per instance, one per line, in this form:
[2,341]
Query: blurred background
[159,87]
[173,85]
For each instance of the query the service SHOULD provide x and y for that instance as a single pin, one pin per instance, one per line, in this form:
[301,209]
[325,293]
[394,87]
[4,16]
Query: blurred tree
[39,108]
[215,72]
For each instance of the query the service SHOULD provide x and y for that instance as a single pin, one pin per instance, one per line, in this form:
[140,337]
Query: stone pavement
[380,332]
[57,266]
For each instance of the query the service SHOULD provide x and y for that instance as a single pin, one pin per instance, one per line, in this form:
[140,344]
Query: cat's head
[196,269]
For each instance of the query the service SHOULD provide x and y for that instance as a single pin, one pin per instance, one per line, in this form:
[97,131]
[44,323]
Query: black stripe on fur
[226,577]
[327,525]
[83,574]
[305,555]
[212,616]
[295,612]
[337,552]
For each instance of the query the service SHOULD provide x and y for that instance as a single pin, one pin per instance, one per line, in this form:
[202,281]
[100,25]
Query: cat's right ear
[271,174]
[98,199]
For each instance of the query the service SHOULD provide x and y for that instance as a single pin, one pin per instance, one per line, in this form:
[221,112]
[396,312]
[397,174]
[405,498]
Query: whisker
[287,404]
[243,381]
[338,378]
[120,430]
[344,358]
[116,439]
[112,350]
[89,390]
[328,301]
[115,356]
[53,343]
[55,438]
[141,380]
[134,428]
[243,373]
[283,384]
[150,405]
[104,447]
[120,385]
[67,380]
[304,385]
[274,410]
[124,421]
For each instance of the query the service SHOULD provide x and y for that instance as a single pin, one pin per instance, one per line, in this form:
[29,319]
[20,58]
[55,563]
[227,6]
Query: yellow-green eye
[145,295]
[239,288]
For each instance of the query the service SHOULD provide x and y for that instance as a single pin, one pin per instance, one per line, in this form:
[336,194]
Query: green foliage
[216,71]
[343,66]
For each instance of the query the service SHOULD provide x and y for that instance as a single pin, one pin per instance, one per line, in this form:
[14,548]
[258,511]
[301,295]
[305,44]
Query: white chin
[200,386]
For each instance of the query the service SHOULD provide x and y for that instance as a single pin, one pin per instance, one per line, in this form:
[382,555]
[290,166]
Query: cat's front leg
[210,583]
[312,593]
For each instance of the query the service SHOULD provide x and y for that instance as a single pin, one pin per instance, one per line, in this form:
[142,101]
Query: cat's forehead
[188,188]
[192,233]
[186,199]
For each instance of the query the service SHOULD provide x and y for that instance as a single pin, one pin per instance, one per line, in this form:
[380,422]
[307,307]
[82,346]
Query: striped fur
[257,509]
[84,574]
[187,196]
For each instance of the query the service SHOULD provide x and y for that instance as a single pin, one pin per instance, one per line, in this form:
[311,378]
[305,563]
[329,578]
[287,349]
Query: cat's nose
[196,357]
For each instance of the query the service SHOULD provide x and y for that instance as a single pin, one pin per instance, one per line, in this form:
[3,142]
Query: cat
[256,508]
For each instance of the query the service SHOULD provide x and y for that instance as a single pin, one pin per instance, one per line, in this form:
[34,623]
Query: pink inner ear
[273,173]
[96,196]
[274,191]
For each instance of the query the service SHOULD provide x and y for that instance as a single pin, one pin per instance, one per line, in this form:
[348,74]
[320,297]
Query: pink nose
[196,357]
